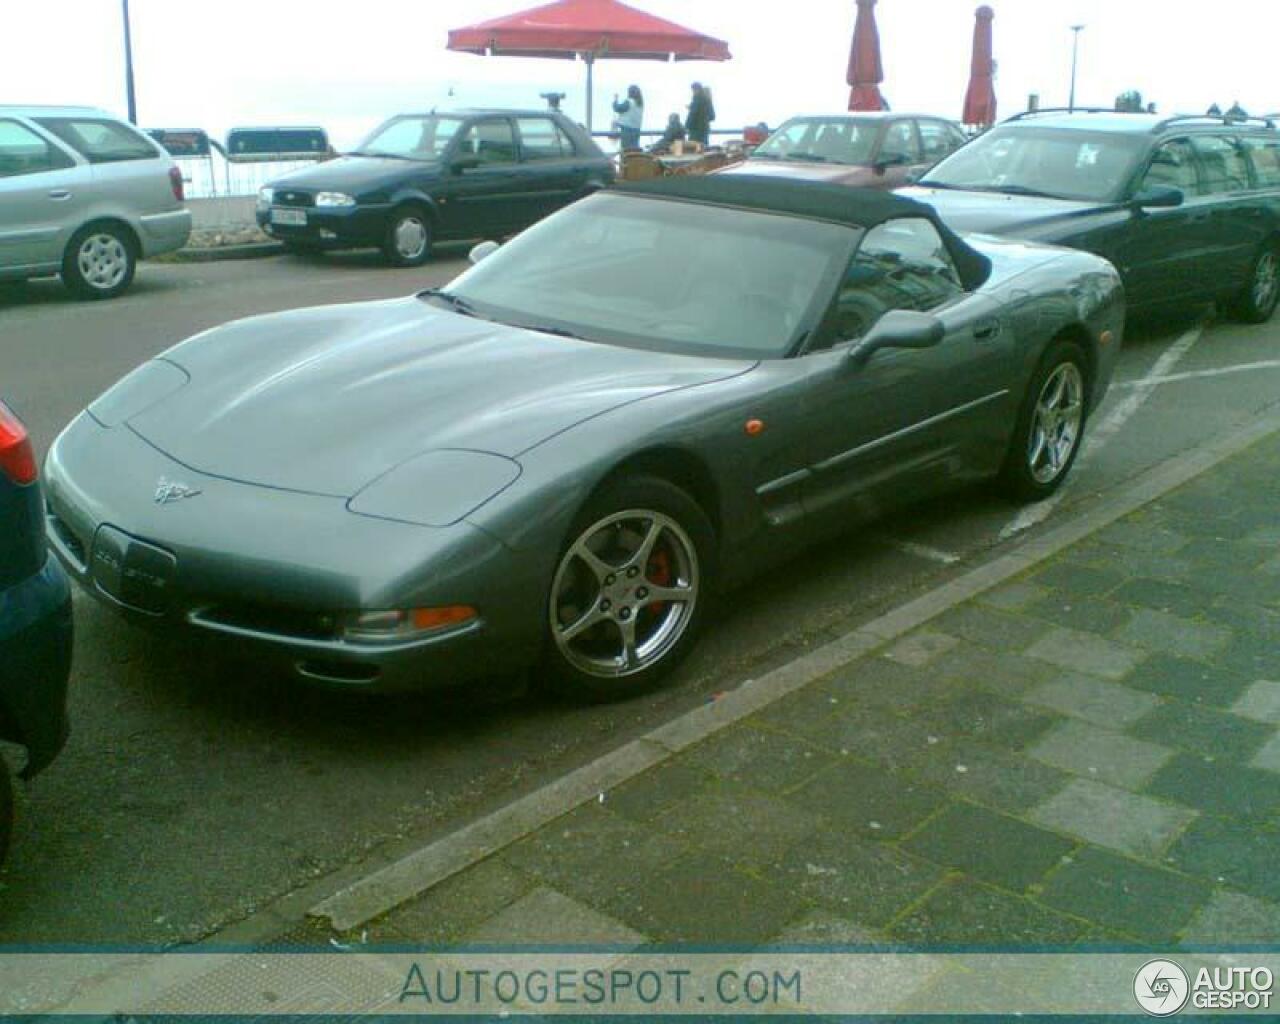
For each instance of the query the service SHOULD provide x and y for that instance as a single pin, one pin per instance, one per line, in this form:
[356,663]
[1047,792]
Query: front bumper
[272,574]
[359,225]
[35,664]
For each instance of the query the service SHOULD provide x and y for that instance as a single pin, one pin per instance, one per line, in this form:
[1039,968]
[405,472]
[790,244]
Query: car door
[908,420]
[485,194]
[899,155]
[40,188]
[1237,219]
[548,164]
[1159,251]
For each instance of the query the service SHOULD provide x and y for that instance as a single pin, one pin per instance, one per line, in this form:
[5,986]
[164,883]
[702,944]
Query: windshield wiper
[1014,190]
[376,152]
[456,302]
[559,332]
[807,157]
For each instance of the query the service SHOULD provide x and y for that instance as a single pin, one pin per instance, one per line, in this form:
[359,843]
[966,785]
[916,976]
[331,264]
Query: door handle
[59,194]
[985,330]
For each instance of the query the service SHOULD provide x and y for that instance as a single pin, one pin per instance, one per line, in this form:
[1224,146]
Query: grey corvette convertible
[555,461]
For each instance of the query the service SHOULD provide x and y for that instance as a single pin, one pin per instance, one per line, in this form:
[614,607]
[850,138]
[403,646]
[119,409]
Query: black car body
[35,619]
[1187,208]
[421,178]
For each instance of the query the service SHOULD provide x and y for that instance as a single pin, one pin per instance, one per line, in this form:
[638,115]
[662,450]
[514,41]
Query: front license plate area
[292,218]
[131,572]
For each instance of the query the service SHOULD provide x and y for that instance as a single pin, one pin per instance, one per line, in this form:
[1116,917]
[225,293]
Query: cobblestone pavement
[1089,753]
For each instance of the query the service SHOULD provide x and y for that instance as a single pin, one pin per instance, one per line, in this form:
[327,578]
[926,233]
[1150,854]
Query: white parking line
[1220,371]
[1110,425]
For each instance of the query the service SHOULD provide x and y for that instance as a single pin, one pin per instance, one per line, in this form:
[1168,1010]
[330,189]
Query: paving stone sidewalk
[1089,753]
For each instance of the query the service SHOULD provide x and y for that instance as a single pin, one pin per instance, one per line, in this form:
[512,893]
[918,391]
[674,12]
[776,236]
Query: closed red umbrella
[865,73]
[980,99]
[590,29]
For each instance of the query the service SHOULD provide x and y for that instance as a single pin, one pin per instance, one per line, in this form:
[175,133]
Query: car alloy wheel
[1266,282]
[624,593]
[1055,428]
[1050,425]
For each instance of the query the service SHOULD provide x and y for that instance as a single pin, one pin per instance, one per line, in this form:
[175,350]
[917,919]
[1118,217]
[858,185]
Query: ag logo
[1161,987]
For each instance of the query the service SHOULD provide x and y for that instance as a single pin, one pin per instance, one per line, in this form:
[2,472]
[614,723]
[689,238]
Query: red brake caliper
[658,572]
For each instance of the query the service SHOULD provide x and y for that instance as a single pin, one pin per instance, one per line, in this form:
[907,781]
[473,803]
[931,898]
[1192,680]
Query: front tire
[1258,300]
[99,262]
[1050,426]
[407,242]
[628,597]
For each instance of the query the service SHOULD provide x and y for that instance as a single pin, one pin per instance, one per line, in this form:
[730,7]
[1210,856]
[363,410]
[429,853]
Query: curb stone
[212,254]
[413,874]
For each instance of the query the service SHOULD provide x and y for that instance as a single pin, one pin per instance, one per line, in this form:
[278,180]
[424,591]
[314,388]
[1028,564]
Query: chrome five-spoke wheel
[1056,423]
[624,593]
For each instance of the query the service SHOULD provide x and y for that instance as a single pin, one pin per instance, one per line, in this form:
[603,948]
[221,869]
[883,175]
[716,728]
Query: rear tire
[1050,425]
[407,242]
[99,261]
[1259,298]
[610,635]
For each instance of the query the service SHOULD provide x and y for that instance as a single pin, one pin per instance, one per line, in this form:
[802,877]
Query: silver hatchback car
[84,195]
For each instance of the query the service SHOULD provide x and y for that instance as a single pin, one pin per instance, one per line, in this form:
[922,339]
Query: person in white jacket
[630,117]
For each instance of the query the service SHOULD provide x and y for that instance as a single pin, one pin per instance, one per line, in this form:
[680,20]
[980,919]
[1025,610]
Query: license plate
[296,218]
[135,574]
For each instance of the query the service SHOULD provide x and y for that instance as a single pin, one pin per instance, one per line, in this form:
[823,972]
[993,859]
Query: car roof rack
[1065,110]
[1259,122]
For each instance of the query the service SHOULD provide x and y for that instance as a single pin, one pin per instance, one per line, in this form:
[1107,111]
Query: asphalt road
[193,791]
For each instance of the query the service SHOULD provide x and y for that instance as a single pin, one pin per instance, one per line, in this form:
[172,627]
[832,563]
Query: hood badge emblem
[168,491]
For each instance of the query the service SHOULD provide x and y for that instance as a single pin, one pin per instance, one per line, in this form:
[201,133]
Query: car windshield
[834,140]
[1055,162]
[422,137]
[654,273]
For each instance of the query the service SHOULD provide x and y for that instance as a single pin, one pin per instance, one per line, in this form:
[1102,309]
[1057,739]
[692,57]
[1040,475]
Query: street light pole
[1075,47]
[128,67]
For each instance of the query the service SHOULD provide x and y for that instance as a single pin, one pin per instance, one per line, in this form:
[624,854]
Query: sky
[347,67]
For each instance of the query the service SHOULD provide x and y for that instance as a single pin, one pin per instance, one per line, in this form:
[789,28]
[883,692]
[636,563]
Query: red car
[876,150]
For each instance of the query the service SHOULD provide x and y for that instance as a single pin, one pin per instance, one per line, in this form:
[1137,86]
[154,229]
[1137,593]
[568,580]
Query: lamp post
[128,67]
[1075,48]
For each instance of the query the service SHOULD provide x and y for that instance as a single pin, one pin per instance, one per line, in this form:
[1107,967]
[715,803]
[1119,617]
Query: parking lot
[193,792]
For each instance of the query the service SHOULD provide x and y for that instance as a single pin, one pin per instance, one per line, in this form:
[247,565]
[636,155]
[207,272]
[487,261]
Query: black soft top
[842,204]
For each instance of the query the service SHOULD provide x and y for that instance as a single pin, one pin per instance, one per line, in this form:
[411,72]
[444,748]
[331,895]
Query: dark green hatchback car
[1187,208]
[422,178]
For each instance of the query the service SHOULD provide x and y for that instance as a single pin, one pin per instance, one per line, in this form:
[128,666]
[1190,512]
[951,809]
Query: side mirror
[464,163]
[899,328]
[1158,195]
[887,160]
[482,250]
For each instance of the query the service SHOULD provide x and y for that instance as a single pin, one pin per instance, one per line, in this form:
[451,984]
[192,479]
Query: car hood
[998,214]
[799,170]
[353,174]
[324,400]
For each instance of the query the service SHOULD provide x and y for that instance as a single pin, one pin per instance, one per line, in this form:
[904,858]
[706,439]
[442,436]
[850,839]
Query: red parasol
[590,29]
[980,100]
[865,73]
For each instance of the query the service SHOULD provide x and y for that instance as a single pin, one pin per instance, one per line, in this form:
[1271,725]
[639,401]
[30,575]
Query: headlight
[265,195]
[437,488]
[334,199]
[144,387]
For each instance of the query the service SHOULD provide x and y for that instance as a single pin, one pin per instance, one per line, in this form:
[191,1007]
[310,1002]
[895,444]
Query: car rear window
[98,140]
[1265,154]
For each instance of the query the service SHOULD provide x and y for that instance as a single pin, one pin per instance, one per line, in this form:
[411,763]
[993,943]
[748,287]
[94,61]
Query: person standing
[701,113]
[630,117]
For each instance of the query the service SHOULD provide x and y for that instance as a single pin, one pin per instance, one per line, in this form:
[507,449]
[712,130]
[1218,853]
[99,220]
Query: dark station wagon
[1187,207]
[423,178]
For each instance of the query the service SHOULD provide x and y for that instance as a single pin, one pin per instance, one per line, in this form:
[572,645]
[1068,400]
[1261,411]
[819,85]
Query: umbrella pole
[590,59]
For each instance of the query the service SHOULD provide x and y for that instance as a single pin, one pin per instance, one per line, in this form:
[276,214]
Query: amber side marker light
[754,427]
[402,624]
[450,615]
[1106,338]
